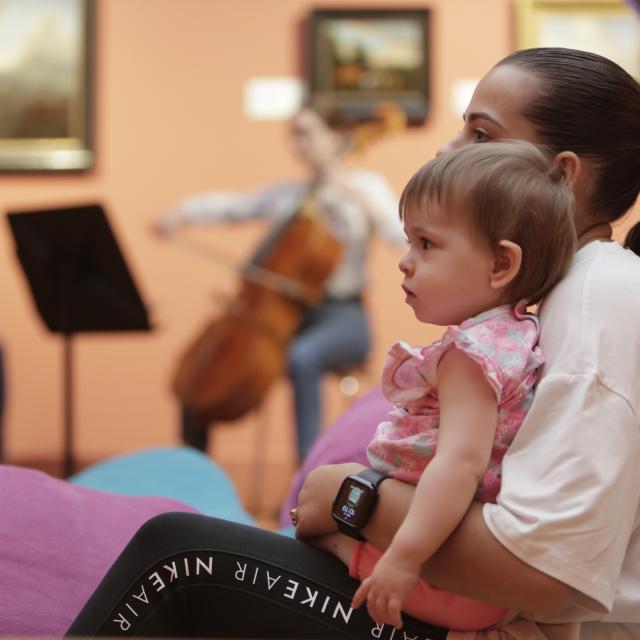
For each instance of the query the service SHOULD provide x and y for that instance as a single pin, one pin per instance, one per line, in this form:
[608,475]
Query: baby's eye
[424,243]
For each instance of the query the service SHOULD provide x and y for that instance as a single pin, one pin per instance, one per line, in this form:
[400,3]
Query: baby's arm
[468,416]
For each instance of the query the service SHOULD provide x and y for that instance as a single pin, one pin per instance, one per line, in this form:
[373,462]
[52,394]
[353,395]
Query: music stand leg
[68,460]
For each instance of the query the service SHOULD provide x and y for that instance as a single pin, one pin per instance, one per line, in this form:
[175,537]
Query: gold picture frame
[608,27]
[45,68]
[358,58]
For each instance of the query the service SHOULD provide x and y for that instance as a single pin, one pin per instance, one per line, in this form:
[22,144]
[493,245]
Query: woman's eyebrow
[481,115]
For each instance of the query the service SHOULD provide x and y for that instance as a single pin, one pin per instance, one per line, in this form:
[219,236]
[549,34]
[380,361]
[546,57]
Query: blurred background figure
[326,314]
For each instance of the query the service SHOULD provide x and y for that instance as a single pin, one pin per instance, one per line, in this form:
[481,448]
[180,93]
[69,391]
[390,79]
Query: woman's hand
[316,499]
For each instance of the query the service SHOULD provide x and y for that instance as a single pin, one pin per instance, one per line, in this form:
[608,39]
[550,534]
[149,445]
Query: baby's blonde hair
[508,191]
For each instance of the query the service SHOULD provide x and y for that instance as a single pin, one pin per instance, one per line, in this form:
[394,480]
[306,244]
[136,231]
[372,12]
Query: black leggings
[187,575]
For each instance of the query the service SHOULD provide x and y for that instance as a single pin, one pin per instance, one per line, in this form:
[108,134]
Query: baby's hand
[385,590]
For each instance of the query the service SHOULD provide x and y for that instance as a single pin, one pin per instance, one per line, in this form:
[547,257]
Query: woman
[563,542]
[565,481]
[355,204]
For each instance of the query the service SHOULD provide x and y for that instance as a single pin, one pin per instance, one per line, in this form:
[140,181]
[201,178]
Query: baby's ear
[508,259]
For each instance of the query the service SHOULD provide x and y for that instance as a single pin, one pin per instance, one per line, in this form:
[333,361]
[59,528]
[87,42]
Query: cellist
[355,204]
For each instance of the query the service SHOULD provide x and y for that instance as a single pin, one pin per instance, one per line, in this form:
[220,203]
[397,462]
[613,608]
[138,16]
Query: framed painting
[359,58]
[45,93]
[608,27]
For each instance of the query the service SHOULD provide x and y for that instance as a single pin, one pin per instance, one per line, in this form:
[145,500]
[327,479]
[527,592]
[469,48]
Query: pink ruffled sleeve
[505,349]
[407,376]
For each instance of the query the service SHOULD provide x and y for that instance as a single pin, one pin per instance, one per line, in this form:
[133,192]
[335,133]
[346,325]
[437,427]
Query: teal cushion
[181,473]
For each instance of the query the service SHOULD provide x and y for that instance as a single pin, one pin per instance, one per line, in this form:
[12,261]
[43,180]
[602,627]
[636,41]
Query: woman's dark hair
[591,106]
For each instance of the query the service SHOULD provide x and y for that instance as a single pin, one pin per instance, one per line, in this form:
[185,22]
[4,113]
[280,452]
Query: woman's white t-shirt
[569,504]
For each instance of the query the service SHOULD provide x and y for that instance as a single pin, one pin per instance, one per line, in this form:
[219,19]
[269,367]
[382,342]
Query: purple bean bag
[345,441]
[58,538]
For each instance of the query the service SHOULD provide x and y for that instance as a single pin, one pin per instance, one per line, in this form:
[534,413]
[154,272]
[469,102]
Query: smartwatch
[355,501]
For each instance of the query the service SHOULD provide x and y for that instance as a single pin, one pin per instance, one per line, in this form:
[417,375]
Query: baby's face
[446,271]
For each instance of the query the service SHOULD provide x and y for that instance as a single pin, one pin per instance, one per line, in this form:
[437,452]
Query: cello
[233,361]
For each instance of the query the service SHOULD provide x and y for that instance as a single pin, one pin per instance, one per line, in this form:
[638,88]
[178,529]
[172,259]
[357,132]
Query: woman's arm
[471,562]
[273,202]
[200,209]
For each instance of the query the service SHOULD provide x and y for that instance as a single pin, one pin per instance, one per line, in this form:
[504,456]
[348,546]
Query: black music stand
[79,281]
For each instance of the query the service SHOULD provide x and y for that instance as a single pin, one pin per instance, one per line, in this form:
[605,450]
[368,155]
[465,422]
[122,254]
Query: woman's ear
[508,259]
[569,166]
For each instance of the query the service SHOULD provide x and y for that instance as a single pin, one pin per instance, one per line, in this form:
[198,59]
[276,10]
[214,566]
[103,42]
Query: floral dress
[504,342]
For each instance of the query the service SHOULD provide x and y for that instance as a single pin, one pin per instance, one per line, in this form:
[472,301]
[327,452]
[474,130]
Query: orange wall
[169,121]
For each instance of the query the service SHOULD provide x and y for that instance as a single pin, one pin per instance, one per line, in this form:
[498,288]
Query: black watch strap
[350,531]
[372,476]
[371,479]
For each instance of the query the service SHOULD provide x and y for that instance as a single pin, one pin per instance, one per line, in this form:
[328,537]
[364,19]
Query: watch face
[355,493]
[353,503]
